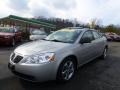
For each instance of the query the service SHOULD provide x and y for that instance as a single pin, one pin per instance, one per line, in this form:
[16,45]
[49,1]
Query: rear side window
[96,35]
[88,34]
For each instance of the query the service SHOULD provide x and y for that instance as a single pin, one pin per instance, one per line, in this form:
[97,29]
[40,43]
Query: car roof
[75,27]
[79,28]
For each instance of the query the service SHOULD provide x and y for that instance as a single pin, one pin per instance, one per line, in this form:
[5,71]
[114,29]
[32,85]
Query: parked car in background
[58,56]
[108,36]
[37,34]
[51,32]
[116,37]
[9,35]
[112,36]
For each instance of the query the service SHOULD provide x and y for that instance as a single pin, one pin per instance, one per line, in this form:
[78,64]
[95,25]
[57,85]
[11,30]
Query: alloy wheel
[68,70]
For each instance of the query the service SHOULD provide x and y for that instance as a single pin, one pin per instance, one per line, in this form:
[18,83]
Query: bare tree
[95,23]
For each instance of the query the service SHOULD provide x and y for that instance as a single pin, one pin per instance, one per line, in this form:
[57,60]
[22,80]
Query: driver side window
[88,34]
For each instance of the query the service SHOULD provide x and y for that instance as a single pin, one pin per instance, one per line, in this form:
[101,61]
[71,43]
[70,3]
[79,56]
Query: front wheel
[66,70]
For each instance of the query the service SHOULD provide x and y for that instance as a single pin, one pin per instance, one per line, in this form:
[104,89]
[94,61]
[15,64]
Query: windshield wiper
[51,40]
[44,39]
[55,40]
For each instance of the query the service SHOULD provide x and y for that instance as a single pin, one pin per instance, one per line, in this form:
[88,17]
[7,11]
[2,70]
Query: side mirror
[85,40]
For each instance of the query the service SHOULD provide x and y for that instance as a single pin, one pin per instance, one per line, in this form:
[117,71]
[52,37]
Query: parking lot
[96,75]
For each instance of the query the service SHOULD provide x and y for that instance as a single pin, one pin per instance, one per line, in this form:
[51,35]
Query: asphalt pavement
[96,75]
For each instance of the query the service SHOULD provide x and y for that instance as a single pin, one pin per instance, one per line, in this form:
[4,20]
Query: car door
[98,43]
[86,50]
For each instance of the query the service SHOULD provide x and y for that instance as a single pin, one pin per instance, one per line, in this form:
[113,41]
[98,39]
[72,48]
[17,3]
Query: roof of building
[29,21]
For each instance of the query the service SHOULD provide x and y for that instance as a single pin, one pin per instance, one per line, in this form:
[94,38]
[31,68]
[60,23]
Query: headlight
[39,58]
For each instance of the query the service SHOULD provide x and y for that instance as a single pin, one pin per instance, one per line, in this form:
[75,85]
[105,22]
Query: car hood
[40,46]
[6,34]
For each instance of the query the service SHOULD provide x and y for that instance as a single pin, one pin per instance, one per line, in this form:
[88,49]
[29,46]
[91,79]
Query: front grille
[17,59]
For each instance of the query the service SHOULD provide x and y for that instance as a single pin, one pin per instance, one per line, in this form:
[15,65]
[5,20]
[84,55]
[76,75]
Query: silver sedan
[58,56]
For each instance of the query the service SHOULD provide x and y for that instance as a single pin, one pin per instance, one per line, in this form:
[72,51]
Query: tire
[104,54]
[66,70]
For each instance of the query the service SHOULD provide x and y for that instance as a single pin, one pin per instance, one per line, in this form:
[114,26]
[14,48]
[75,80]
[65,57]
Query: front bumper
[34,73]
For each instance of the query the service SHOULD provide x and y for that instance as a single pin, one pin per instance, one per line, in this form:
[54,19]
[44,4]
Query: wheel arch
[74,59]
[106,46]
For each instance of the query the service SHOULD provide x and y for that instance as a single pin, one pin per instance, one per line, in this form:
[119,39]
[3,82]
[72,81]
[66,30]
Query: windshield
[7,30]
[38,32]
[64,35]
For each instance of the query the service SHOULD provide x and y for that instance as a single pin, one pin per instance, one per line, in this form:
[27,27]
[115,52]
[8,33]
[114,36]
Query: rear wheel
[104,55]
[66,70]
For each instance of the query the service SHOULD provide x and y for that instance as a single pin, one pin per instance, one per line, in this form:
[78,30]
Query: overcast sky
[106,11]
